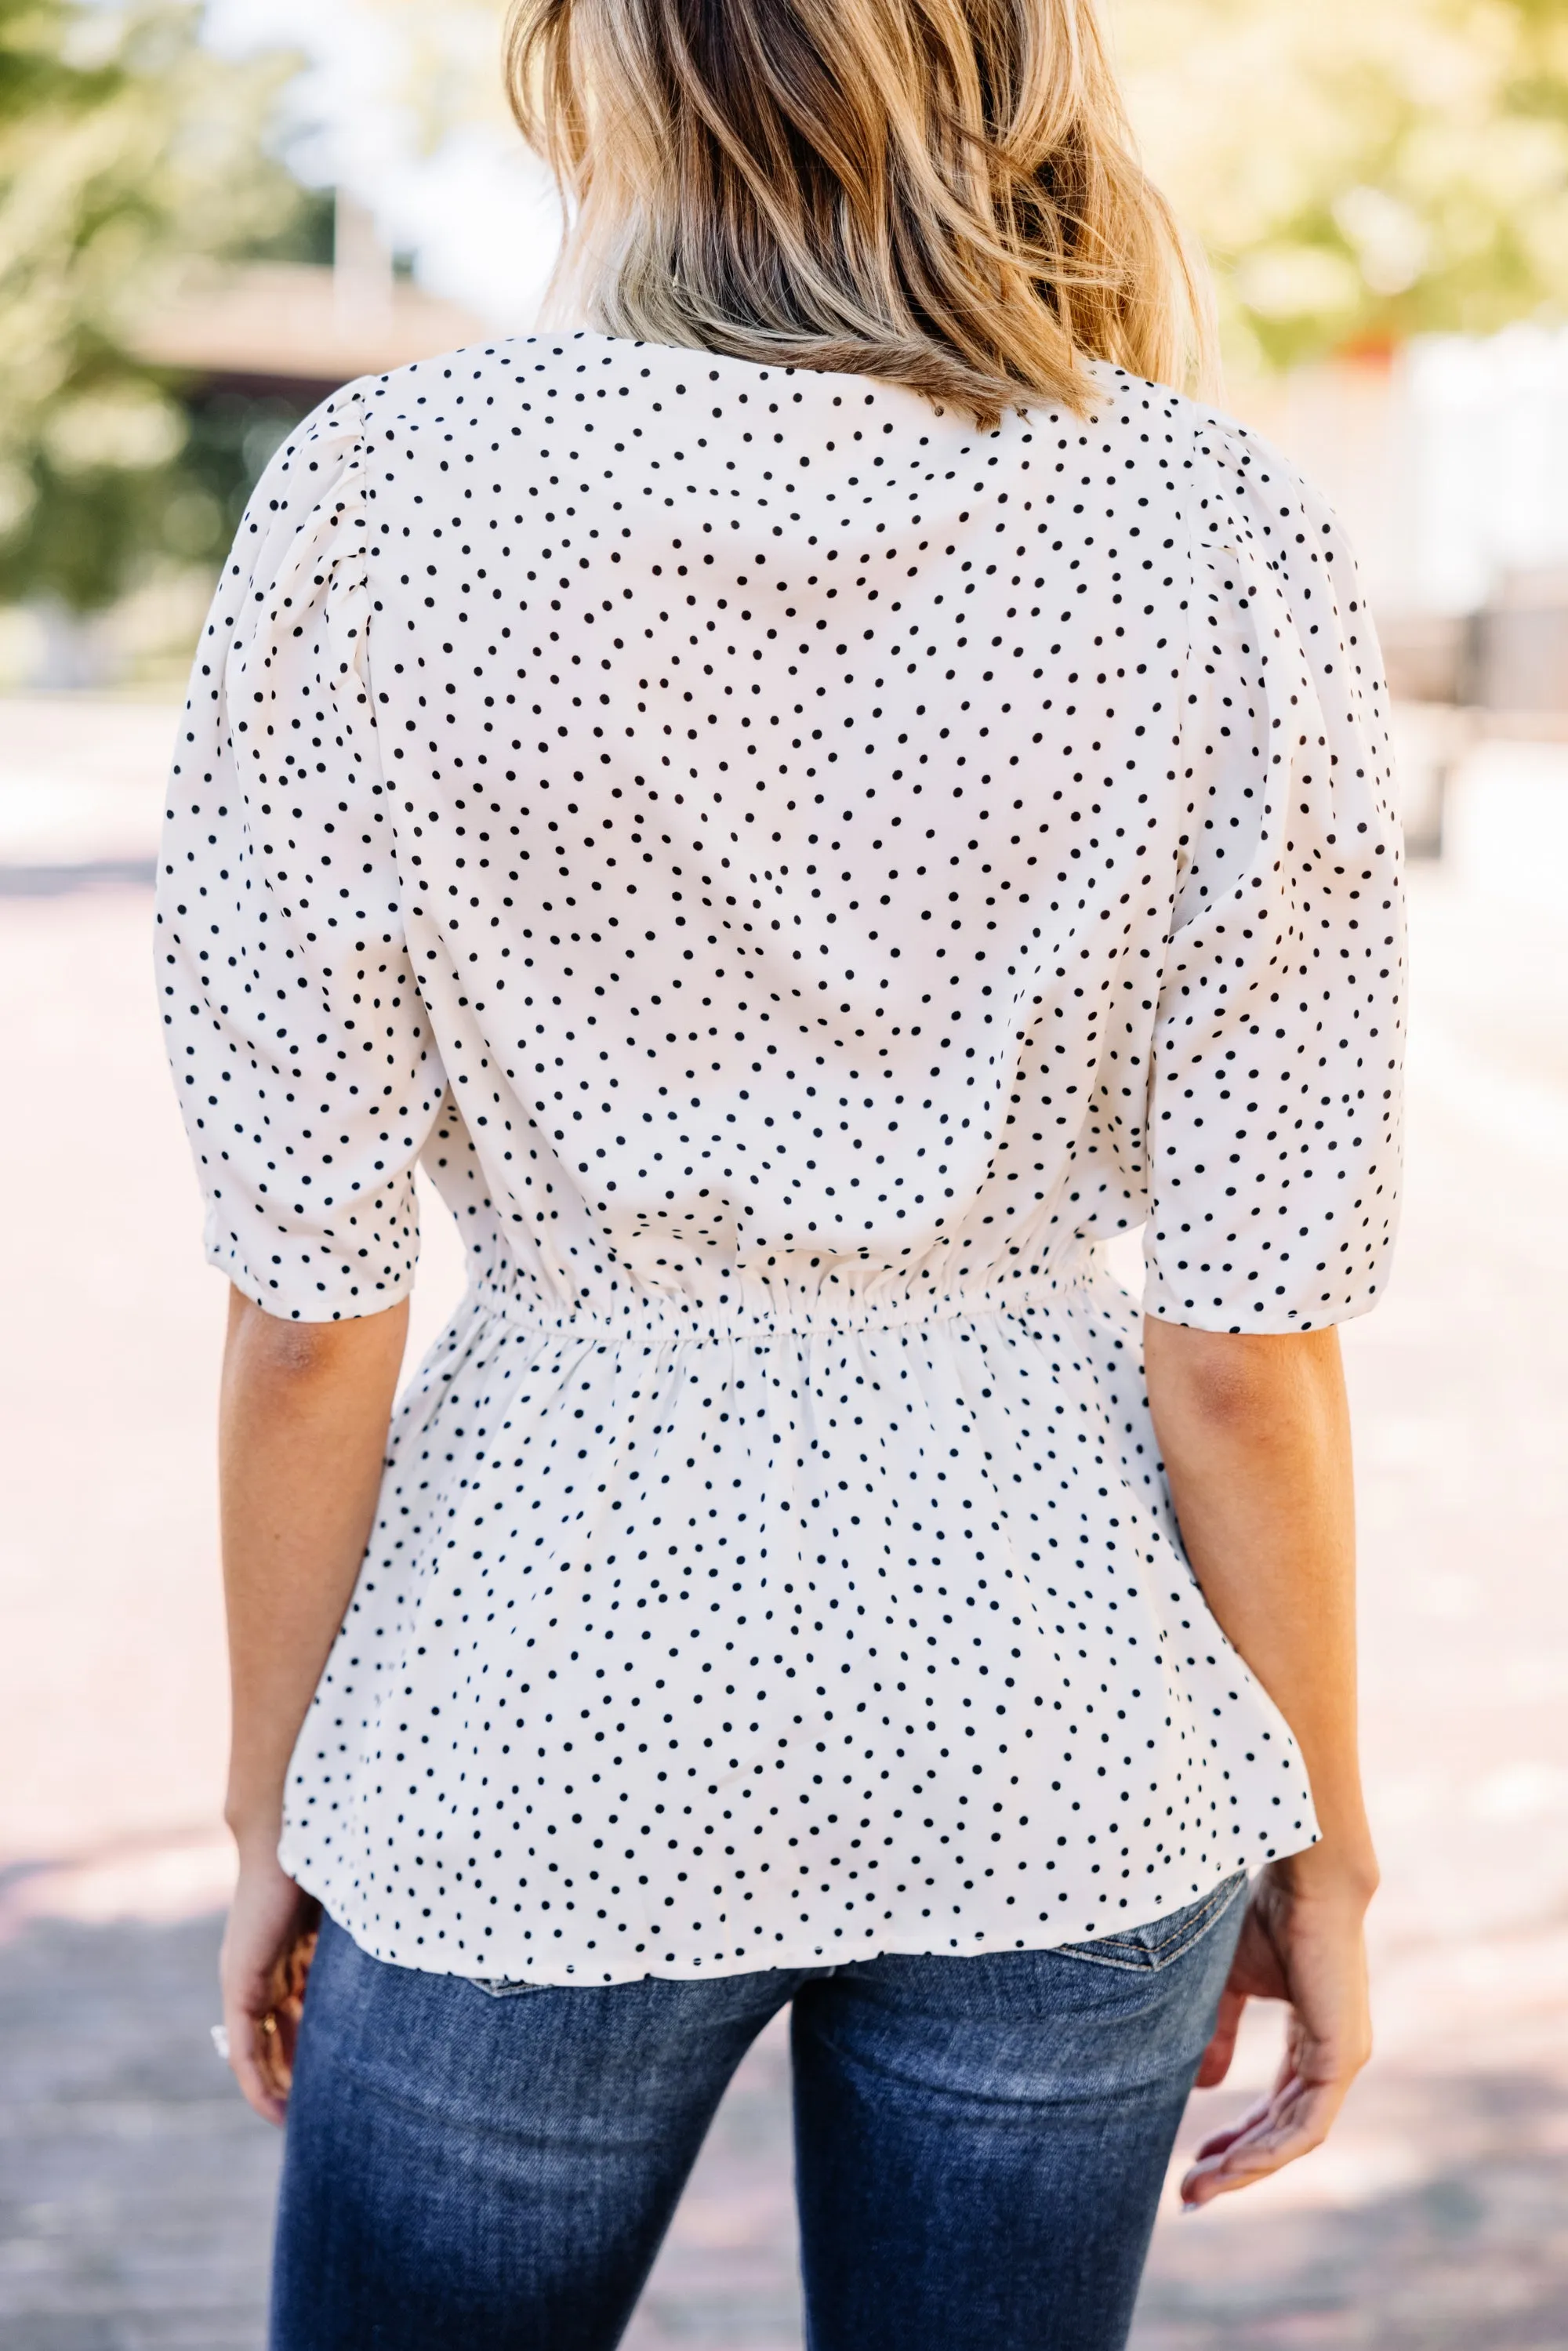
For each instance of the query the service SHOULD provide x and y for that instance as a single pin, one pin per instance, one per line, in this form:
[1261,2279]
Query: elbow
[267,1355]
[280,1353]
[1227,1389]
[1237,1385]
[1225,1395]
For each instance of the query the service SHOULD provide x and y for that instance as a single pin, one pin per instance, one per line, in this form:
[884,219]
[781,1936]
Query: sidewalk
[134,2187]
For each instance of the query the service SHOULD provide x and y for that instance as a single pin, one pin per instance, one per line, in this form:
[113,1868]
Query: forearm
[302,1436]
[1255,1435]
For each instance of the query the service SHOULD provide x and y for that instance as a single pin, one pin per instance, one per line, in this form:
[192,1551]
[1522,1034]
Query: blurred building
[293,331]
[251,348]
[1449,463]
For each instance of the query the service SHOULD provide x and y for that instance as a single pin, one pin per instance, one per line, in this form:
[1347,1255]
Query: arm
[302,1435]
[1256,1439]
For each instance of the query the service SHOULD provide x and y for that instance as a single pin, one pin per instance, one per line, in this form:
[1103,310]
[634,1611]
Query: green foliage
[1360,170]
[127,152]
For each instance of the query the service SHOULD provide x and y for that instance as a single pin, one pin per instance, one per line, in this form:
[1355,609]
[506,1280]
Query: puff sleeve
[1274,1114]
[303,1059]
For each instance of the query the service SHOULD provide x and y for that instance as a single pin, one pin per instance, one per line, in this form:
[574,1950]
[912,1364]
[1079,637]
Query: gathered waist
[764,1309]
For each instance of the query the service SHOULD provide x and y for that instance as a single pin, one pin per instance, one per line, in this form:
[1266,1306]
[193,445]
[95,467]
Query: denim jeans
[980,2143]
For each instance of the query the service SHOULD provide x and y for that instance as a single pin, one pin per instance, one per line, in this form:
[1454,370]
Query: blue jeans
[980,2143]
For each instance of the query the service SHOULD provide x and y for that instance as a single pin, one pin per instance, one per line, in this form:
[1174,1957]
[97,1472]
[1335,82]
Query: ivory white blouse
[800,873]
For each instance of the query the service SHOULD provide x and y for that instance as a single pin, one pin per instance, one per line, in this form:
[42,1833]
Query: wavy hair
[940,192]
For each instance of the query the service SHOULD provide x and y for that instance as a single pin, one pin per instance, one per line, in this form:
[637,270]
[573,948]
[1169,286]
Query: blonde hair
[941,192]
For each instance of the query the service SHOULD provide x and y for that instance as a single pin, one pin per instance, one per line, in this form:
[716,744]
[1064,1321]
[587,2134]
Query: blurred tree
[127,151]
[1359,170]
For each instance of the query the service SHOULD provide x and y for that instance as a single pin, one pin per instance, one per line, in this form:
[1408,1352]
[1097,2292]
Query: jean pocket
[1162,1941]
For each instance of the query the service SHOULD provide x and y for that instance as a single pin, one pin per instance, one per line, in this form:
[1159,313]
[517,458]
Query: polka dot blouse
[800,873]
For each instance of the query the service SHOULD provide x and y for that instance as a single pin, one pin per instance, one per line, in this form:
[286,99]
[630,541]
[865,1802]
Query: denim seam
[1151,1960]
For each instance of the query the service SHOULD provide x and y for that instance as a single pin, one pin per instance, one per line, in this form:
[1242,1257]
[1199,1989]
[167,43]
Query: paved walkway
[135,2188]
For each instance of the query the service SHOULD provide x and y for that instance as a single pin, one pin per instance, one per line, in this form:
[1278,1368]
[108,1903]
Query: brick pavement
[134,2189]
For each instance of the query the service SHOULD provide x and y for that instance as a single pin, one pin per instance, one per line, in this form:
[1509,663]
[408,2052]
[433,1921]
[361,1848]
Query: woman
[808,808]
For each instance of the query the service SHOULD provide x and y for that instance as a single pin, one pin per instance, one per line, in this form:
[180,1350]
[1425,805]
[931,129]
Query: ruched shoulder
[307,1073]
[1275,1129]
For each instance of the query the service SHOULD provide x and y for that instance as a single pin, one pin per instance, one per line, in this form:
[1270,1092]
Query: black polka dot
[802,873]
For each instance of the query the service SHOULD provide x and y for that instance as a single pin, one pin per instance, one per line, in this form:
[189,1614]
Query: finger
[1215,2062]
[1281,2139]
[281,2048]
[258,2089]
[257,2092]
[1266,2115]
[1218,2141]
[251,2063]
[276,2048]
[1223,2150]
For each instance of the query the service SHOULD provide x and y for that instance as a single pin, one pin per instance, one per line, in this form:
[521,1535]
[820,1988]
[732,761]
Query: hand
[1303,1941]
[269,1945]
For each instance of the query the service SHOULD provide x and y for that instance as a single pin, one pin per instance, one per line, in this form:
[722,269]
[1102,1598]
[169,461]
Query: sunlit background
[210,218]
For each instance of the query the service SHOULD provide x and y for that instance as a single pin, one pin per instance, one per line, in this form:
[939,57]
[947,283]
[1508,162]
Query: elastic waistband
[762,1312]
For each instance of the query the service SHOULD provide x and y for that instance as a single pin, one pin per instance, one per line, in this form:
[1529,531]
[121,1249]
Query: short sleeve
[302,1053]
[1275,1089]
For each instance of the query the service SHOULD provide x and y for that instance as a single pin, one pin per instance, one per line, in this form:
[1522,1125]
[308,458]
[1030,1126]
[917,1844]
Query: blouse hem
[583,1978]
